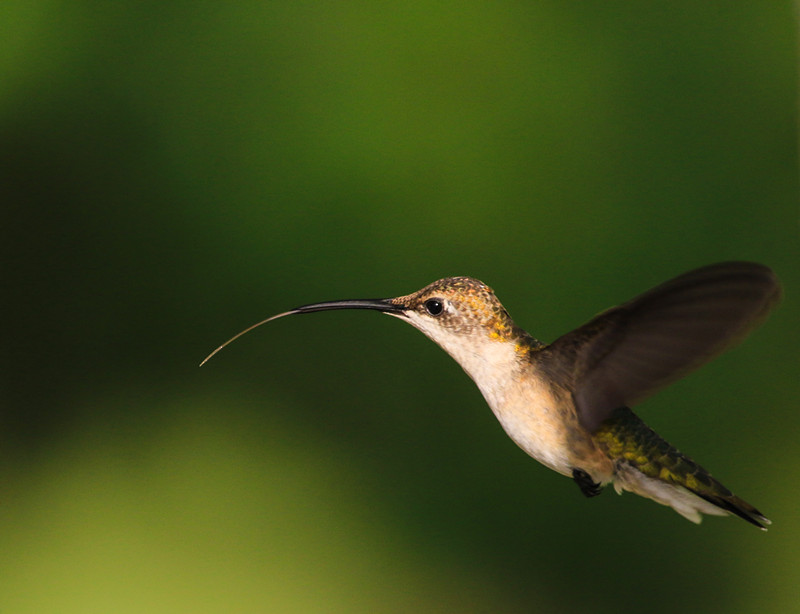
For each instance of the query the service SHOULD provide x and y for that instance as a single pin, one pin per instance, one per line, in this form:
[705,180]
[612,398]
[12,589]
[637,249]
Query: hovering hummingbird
[567,403]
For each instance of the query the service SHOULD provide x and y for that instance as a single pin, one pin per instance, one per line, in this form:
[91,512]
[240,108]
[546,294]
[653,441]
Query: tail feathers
[688,503]
[739,507]
[651,467]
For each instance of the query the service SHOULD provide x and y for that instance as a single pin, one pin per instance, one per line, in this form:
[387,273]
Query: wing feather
[625,354]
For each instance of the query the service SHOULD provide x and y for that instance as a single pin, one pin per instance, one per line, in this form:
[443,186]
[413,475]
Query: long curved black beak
[376,304]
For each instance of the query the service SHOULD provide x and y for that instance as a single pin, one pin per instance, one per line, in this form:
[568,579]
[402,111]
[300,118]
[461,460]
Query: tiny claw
[588,486]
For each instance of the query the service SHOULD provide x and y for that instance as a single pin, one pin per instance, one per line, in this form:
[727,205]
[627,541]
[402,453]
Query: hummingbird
[567,403]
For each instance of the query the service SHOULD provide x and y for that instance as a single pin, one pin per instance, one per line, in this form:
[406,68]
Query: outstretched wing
[628,352]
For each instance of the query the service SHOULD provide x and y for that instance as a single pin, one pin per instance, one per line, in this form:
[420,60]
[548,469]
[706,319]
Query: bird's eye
[434,306]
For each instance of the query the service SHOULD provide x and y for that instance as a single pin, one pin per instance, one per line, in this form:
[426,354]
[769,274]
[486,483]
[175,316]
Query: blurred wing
[628,352]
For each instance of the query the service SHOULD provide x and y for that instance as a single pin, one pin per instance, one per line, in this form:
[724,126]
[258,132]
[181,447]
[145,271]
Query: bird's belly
[540,435]
[543,425]
[534,421]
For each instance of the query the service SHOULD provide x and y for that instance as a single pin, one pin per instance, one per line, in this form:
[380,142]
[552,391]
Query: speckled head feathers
[461,305]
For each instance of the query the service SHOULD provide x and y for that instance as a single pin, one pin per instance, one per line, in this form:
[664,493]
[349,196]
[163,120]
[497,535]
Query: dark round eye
[434,306]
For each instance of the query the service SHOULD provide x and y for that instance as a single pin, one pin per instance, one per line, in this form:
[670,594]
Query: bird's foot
[588,486]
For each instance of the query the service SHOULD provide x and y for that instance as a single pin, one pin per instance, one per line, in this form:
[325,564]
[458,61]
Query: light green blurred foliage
[206,516]
[173,172]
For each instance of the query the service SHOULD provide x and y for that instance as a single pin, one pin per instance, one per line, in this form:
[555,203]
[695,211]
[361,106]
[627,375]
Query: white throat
[491,363]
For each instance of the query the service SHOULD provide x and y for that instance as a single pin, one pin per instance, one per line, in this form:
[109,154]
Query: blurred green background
[173,172]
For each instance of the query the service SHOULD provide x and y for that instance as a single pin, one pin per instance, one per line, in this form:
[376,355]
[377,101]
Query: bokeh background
[175,171]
